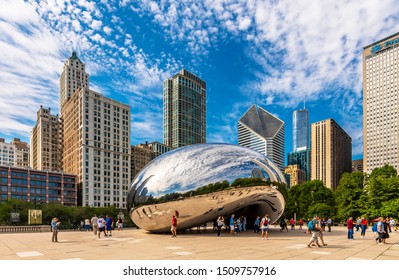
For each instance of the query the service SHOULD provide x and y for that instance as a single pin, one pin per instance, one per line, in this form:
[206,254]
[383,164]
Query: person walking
[55,227]
[300,223]
[101,226]
[173,227]
[292,223]
[380,231]
[119,224]
[350,226]
[94,220]
[264,227]
[314,226]
[219,222]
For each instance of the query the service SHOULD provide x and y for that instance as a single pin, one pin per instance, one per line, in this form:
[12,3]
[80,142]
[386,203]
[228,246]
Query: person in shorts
[264,226]
[173,228]
[101,226]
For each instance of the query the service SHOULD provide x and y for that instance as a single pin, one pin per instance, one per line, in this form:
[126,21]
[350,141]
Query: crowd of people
[234,225]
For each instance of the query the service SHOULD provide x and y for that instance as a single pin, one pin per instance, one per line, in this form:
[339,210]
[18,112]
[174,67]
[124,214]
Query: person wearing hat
[55,225]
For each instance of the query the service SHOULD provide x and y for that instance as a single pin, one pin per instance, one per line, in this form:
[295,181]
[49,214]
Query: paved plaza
[137,244]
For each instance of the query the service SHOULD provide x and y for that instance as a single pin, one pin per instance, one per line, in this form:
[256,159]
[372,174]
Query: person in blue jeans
[350,227]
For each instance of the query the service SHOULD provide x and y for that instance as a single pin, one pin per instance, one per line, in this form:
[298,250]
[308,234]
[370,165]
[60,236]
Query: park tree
[308,198]
[349,196]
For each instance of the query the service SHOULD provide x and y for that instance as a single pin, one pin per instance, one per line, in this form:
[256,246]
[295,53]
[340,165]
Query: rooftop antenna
[304,102]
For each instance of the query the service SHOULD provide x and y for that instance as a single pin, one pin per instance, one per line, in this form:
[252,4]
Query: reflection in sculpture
[202,182]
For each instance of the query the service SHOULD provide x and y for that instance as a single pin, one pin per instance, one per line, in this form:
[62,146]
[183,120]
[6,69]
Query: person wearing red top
[173,229]
[350,227]
[363,226]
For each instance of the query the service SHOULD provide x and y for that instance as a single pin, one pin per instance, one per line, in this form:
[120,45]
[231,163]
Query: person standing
[173,228]
[101,226]
[87,224]
[329,224]
[232,221]
[264,227]
[109,224]
[380,231]
[94,220]
[363,226]
[220,222]
[292,223]
[119,224]
[55,227]
[350,226]
[244,223]
[256,224]
[300,223]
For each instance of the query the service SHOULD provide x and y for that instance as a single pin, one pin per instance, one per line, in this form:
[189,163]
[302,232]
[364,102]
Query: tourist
[292,223]
[109,224]
[55,227]
[264,227]
[256,224]
[219,222]
[329,224]
[300,223]
[380,231]
[101,226]
[350,226]
[94,220]
[363,227]
[173,227]
[119,224]
[232,222]
[87,224]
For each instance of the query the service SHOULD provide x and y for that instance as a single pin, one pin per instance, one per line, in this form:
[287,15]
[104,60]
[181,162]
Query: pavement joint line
[321,253]
[183,253]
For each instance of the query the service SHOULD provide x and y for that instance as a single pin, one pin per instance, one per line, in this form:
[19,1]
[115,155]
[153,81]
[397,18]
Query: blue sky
[271,53]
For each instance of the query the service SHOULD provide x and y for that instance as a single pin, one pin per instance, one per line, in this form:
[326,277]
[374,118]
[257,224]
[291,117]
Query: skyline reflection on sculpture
[202,181]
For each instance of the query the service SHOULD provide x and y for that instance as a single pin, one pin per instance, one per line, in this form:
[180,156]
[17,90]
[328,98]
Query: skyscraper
[73,76]
[301,158]
[97,147]
[331,152]
[184,111]
[46,142]
[263,132]
[380,103]
[300,130]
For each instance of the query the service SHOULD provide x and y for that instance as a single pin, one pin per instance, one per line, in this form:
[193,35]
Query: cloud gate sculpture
[201,182]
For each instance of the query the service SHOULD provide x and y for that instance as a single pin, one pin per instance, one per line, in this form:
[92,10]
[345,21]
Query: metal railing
[14,229]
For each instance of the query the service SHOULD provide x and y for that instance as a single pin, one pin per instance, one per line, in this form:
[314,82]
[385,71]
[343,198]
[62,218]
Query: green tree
[349,196]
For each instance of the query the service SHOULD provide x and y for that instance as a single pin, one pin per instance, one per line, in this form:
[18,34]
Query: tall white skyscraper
[73,76]
[263,132]
[380,103]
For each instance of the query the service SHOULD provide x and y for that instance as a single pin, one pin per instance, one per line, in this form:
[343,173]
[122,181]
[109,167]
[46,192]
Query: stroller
[283,225]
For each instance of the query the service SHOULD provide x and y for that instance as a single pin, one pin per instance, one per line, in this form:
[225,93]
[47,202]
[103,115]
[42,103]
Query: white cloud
[96,24]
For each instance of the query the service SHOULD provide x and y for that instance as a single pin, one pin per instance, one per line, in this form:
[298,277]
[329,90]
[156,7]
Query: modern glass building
[184,110]
[300,130]
[301,158]
[261,131]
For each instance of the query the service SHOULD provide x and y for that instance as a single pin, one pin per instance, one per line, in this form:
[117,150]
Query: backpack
[264,222]
[311,225]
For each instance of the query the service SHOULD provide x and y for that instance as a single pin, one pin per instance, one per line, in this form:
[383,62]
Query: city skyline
[269,54]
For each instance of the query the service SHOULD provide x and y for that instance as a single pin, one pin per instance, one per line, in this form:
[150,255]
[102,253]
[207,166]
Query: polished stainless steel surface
[171,182]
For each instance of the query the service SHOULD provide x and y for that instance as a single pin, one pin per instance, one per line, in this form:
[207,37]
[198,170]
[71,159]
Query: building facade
[300,130]
[331,152]
[296,176]
[302,159]
[380,104]
[37,186]
[141,155]
[73,77]
[184,110]
[357,165]
[46,142]
[21,153]
[263,132]
[97,147]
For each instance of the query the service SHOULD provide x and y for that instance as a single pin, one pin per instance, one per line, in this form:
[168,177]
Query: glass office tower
[300,130]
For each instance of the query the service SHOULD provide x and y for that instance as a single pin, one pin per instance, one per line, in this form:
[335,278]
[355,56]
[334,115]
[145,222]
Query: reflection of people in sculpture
[173,228]
[177,214]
